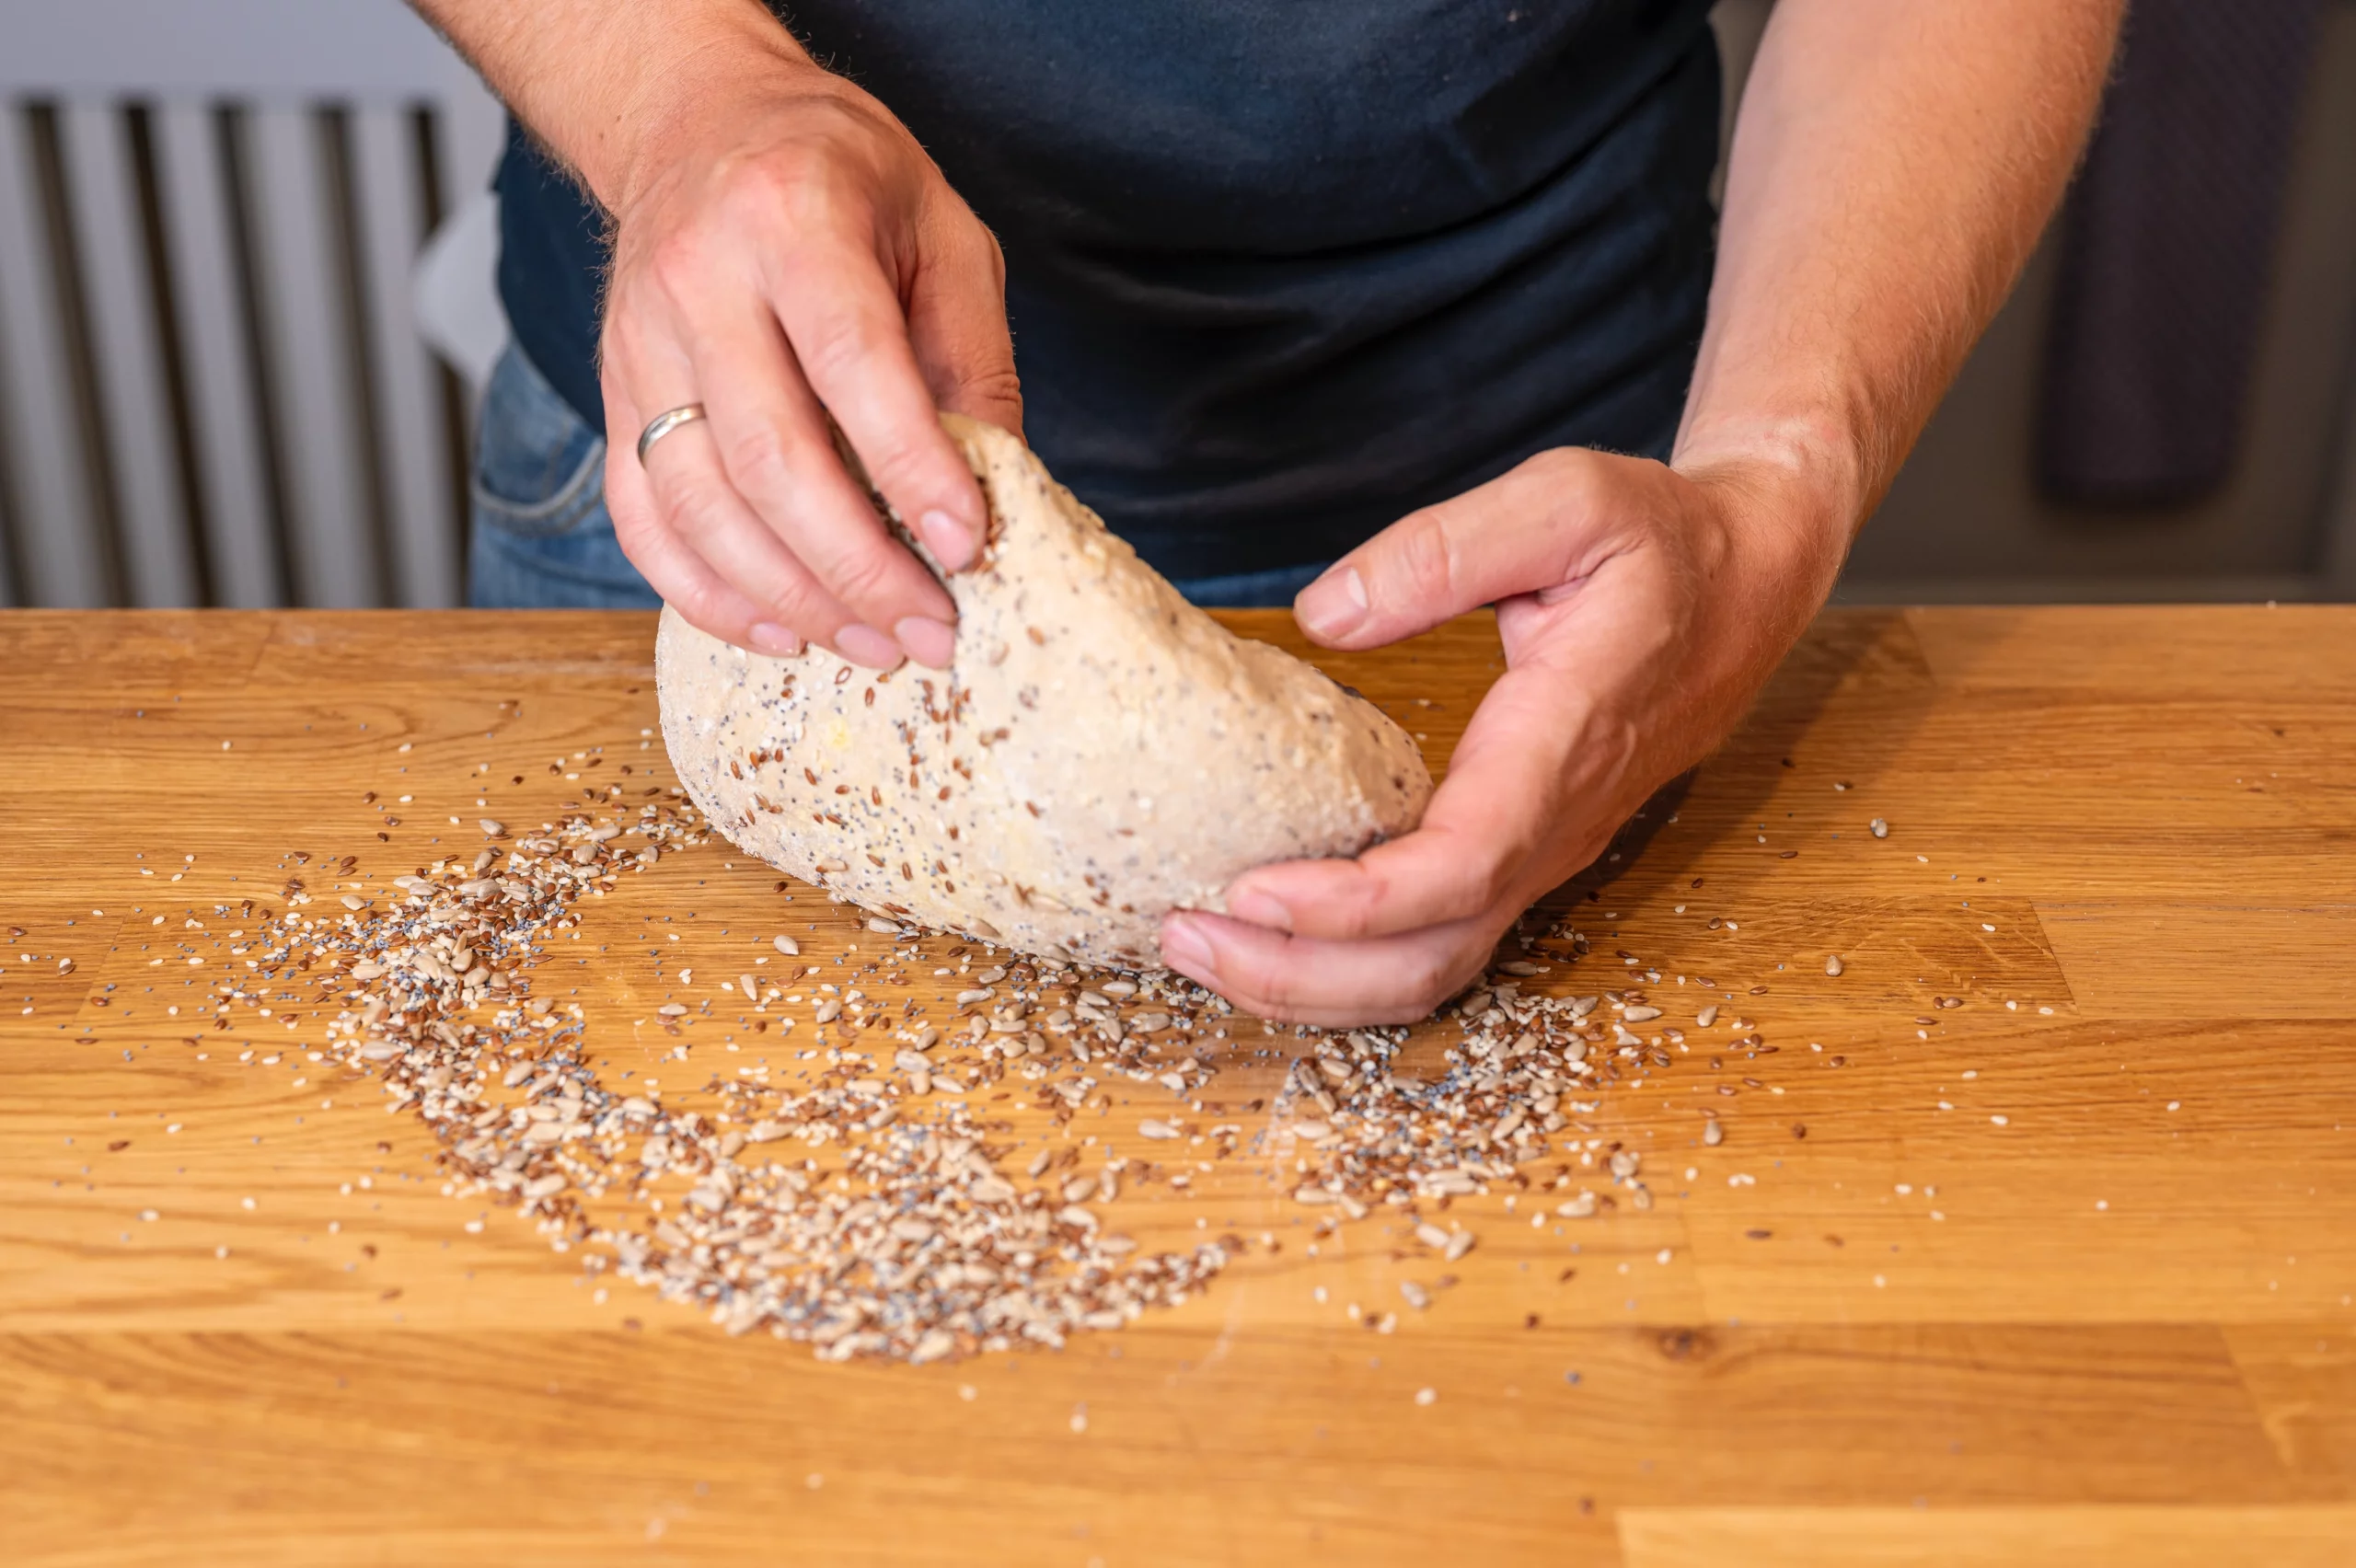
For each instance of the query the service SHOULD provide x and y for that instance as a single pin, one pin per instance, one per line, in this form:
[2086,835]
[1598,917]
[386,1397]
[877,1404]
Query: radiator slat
[55,516]
[127,340]
[11,596]
[321,444]
[389,203]
[228,396]
[225,398]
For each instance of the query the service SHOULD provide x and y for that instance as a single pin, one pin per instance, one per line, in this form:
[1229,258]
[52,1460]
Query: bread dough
[1101,752]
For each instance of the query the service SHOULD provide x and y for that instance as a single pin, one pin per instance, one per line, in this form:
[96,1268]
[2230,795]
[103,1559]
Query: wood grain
[1997,1538]
[1873,1324]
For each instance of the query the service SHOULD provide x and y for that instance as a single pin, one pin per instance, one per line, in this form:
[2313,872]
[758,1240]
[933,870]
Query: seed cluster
[919,1247]
[917,1242]
[916,1238]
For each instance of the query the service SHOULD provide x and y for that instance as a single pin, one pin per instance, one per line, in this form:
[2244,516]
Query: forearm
[1892,166]
[603,83]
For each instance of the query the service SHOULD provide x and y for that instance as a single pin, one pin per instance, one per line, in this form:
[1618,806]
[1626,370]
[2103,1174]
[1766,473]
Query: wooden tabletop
[2062,1273]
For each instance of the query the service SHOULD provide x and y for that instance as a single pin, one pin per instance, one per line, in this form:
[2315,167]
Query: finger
[775,453]
[699,507]
[1550,521]
[672,570]
[1492,826]
[844,319]
[1336,985]
[957,323]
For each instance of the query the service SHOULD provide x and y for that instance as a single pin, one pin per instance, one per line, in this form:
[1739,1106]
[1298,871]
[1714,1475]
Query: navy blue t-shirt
[1278,270]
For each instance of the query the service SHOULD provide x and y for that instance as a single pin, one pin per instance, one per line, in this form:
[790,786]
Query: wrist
[1796,486]
[617,96]
[695,97]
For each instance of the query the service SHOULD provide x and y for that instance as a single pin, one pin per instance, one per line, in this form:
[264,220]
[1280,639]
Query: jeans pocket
[539,469]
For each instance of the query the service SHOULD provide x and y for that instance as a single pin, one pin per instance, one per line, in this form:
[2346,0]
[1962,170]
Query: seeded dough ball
[1100,753]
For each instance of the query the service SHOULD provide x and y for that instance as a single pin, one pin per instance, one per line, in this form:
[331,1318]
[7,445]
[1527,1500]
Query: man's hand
[792,252]
[1641,608]
[784,250]
[1891,168]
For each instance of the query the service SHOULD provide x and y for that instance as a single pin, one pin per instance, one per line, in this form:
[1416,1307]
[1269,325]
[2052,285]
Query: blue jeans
[544,540]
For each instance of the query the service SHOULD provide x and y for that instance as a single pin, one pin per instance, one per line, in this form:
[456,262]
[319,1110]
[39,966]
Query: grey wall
[1965,521]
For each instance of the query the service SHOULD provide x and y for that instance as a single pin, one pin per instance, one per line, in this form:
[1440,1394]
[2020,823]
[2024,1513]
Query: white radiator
[211,387]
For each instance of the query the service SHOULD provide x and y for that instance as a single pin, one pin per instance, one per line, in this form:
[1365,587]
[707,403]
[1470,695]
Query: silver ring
[663,425]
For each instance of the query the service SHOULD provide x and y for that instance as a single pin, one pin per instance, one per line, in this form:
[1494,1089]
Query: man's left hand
[1641,608]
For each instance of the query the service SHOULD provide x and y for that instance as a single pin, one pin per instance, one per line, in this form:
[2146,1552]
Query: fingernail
[773,640]
[1333,603]
[1183,946]
[950,541]
[865,645]
[928,641]
[1260,908]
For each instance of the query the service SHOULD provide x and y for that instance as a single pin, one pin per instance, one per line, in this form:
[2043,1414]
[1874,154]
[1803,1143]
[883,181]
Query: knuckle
[992,386]
[901,466]
[971,244]
[863,576]
[687,504]
[816,201]
[772,184]
[834,348]
[1426,557]
[706,607]
[760,462]
[635,522]
[1564,467]
[677,262]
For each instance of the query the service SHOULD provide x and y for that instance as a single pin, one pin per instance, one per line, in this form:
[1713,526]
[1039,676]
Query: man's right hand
[787,254]
[784,250]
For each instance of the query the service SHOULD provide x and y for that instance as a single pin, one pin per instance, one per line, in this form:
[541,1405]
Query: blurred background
[246,299]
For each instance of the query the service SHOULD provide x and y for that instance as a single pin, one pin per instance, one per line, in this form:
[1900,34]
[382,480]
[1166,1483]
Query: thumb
[1547,521]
